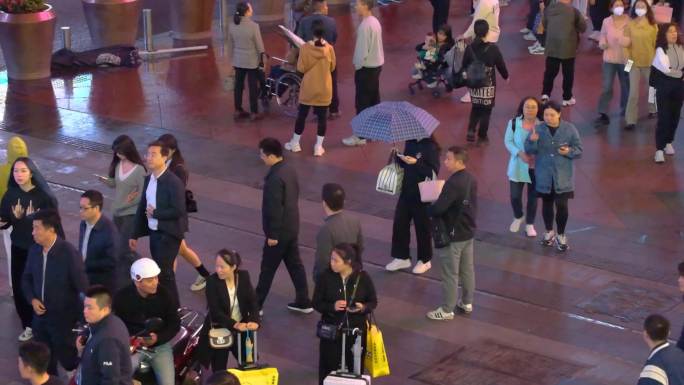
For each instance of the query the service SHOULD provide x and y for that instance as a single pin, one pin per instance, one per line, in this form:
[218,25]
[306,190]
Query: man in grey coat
[338,228]
[563,25]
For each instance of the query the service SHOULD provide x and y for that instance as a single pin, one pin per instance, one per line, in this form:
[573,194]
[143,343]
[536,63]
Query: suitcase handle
[255,354]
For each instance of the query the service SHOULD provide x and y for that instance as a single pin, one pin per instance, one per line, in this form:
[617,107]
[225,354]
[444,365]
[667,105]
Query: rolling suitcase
[342,376]
[253,373]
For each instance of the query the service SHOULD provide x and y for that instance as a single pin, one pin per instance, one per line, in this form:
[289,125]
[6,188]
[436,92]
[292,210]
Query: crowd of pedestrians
[104,278]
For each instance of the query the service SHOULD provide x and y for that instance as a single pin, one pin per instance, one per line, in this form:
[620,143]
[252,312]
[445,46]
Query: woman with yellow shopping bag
[345,296]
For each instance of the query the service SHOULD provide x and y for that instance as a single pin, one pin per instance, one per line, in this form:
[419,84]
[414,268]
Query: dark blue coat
[170,210]
[103,252]
[106,358]
[665,365]
[550,167]
[65,280]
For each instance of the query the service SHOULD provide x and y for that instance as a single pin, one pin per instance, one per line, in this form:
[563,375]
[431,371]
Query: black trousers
[55,332]
[164,249]
[551,71]
[335,102]
[252,81]
[669,97]
[24,308]
[330,355]
[285,251]
[532,15]
[320,112]
[516,199]
[440,13]
[401,230]
[367,81]
[561,215]
[598,12]
[219,357]
[479,116]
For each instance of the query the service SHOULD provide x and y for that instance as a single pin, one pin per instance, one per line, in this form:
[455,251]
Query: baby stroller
[429,70]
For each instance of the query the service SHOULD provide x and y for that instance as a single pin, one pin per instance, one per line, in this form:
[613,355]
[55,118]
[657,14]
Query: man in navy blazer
[53,280]
[98,242]
[161,215]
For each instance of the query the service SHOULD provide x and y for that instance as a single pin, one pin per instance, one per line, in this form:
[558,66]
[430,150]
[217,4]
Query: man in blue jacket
[105,356]
[665,364]
[53,280]
[98,241]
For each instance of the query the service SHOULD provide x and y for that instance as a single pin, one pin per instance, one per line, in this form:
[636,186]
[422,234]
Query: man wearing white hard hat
[146,299]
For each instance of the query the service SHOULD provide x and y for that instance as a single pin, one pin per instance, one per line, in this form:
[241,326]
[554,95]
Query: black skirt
[553,195]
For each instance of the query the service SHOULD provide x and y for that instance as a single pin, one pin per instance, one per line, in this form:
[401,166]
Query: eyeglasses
[81,208]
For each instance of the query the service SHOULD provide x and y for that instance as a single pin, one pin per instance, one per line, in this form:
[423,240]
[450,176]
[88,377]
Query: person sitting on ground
[34,358]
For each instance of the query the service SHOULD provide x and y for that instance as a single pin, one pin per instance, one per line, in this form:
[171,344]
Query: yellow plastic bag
[265,376]
[376,358]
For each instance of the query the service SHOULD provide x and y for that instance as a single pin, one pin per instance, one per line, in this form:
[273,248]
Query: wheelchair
[282,84]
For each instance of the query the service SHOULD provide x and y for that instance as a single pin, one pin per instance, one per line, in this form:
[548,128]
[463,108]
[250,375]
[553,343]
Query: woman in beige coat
[316,62]
[247,47]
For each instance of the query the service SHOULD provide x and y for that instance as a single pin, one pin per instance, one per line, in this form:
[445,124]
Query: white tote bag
[430,188]
[390,177]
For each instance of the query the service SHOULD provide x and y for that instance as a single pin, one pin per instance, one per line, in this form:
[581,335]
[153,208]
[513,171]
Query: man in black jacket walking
[280,221]
[52,282]
[456,206]
[161,215]
[105,354]
[98,241]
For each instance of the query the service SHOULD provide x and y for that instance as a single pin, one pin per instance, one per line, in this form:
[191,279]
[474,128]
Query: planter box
[192,19]
[112,22]
[26,41]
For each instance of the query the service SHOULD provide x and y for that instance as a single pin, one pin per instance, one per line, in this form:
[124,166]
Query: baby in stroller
[431,64]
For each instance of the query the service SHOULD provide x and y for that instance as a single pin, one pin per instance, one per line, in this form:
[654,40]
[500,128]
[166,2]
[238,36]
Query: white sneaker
[530,37]
[354,141]
[515,226]
[659,156]
[534,46]
[569,102]
[465,308]
[465,98]
[525,30]
[26,335]
[421,267]
[538,51]
[595,35]
[544,98]
[293,146]
[200,283]
[440,315]
[669,150]
[319,150]
[417,76]
[432,85]
[530,231]
[398,264]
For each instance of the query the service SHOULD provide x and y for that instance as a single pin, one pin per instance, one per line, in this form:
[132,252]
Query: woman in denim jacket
[555,144]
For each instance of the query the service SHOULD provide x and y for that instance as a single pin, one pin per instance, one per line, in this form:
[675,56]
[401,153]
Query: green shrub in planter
[22,6]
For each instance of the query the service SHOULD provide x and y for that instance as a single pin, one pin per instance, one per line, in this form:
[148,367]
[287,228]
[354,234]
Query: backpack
[476,73]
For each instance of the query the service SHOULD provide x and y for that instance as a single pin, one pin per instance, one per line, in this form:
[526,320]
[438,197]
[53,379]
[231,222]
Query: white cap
[144,268]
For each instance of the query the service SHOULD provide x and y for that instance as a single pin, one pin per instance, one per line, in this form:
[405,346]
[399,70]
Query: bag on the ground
[250,372]
[476,73]
[390,177]
[430,188]
[376,357]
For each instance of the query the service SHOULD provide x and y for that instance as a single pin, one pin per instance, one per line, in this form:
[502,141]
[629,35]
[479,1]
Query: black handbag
[190,202]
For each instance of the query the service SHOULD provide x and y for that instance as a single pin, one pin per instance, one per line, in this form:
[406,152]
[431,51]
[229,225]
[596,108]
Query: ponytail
[240,10]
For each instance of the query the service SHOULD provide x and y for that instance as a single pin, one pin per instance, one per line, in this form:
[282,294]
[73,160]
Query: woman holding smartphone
[127,177]
[555,144]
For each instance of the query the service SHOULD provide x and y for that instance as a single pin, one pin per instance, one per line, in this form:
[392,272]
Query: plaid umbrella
[394,122]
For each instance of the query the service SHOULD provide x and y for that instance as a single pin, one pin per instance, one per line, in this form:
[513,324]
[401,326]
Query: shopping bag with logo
[430,188]
[390,177]
[376,357]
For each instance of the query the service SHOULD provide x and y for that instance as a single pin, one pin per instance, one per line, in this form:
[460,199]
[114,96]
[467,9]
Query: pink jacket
[612,41]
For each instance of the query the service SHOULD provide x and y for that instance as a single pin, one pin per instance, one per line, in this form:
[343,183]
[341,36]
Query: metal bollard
[223,10]
[147,30]
[66,37]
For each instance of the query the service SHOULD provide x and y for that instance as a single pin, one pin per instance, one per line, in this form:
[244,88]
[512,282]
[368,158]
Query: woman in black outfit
[232,304]
[420,160]
[176,164]
[27,192]
[482,98]
[344,296]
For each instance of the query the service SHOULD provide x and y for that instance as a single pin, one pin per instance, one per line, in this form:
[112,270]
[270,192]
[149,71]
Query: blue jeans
[161,362]
[610,71]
